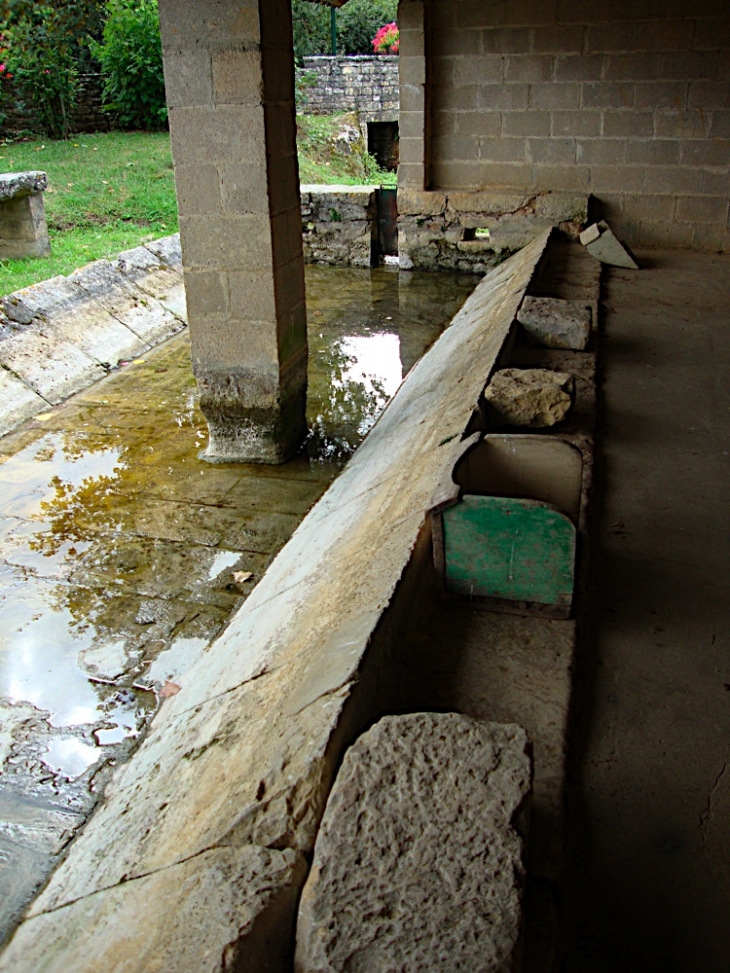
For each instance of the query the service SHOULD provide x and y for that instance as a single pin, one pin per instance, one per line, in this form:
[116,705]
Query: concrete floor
[647,883]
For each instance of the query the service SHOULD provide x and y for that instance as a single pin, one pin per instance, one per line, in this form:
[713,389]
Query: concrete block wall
[628,100]
[366,85]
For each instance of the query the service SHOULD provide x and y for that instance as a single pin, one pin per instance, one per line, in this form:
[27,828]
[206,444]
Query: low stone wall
[366,85]
[87,116]
[473,231]
[339,224]
[61,335]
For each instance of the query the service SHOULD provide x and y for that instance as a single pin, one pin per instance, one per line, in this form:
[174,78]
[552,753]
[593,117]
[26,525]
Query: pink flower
[387,39]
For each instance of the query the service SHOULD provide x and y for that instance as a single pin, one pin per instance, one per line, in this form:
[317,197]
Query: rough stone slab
[22,183]
[46,360]
[556,323]
[417,864]
[533,397]
[562,207]
[150,273]
[19,402]
[146,317]
[68,313]
[601,242]
[217,912]
[245,752]
[169,251]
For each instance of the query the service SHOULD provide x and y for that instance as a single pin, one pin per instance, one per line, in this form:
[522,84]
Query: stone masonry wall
[367,85]
[87,116]
[628,100]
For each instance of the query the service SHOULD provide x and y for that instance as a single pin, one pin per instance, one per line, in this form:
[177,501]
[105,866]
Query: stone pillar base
[256,434]
[23,229]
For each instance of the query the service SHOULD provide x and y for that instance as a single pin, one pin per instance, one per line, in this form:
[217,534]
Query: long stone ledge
[244,755]
[61,335]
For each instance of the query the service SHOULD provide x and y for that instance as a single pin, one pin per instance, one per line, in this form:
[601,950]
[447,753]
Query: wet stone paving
[123,554]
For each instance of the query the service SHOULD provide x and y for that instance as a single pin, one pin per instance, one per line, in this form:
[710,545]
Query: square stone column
[229,75]
[414,168]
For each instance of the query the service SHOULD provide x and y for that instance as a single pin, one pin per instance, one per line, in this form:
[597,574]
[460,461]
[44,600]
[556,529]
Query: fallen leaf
[138,361]
[169,689]
[45,417]
[241,576]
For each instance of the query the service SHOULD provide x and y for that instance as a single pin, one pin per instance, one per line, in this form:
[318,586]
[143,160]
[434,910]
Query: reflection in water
[69,756]
[117,541]
[365,372]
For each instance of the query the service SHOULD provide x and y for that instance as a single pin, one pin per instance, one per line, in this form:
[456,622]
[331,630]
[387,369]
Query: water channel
[123,554]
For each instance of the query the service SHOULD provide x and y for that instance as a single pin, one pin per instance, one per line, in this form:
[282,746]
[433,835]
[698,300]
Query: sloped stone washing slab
[244,754]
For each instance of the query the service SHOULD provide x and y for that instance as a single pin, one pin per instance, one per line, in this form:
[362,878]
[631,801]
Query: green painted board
[501,547]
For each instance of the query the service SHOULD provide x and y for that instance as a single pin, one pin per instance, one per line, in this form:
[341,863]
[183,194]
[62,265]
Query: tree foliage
[357,24]
[47,48]
[130,55]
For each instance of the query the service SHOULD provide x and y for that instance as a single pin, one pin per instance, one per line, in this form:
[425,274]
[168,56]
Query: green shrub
[130,55]
[357,23]
[46,46]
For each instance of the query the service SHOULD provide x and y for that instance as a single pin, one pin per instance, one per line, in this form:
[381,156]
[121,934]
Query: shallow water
[123,554]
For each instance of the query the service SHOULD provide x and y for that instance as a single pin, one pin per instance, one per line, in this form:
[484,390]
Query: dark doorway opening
[383,144]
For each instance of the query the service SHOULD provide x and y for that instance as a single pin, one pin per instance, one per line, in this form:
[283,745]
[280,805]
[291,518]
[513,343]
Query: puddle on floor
[123,554]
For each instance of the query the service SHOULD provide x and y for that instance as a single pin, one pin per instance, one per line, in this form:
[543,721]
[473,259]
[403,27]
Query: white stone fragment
[533,397]
[417,865]
[556,323]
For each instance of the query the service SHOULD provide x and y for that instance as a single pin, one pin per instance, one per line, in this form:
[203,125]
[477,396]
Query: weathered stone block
[23,229]
[562,207]
[556,323]
[534,397]
[412,202]
[418,864]
[13,184]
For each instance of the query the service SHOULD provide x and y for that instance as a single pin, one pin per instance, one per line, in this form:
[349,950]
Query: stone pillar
[229,75]
[414,169]
[23,228]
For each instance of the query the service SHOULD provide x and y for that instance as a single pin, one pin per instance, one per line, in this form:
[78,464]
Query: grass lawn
[106,193]
[112,191]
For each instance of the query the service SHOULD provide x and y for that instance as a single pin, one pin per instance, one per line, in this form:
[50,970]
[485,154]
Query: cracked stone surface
[228,895]
[556,323]
[417,864]
[531,397]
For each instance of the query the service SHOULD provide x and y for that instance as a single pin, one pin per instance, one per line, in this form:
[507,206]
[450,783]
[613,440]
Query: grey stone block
[556,323]
[418,865]
[213,913]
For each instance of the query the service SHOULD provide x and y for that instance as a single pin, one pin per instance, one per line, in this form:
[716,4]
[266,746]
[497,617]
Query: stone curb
[61,335]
